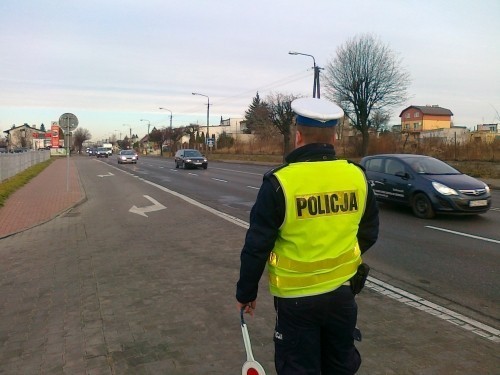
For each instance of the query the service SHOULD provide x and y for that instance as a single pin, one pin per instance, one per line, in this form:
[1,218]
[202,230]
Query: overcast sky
[115,62]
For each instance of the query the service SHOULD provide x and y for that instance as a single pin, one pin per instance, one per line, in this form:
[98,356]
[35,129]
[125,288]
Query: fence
[13,163]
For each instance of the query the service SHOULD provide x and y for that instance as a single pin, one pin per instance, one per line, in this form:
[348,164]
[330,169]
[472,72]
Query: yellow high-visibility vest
[317,249]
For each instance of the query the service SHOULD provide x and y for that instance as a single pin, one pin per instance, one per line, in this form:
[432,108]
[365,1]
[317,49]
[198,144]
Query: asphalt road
[451,261]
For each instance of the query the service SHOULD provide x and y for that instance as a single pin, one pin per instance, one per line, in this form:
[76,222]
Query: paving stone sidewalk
[47,195]
[76,300]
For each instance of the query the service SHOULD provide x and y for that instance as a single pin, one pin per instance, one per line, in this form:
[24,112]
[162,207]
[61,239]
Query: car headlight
[487,188]
[443,189]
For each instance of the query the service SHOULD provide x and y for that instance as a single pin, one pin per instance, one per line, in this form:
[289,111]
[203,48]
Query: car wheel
[176,165]
[205,166]
[422,207]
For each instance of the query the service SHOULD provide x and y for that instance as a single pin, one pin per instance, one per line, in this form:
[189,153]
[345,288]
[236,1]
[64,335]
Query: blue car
[426,184]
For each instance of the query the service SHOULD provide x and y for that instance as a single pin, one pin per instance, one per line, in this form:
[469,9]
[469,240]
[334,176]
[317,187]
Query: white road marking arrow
[105,175]
[142,210]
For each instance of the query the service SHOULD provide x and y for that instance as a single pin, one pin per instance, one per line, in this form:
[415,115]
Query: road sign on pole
[68,122]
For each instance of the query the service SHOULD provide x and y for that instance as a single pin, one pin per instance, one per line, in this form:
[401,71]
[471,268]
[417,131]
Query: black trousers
[314,335]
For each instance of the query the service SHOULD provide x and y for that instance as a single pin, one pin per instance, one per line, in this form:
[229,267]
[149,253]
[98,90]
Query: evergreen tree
[257,115]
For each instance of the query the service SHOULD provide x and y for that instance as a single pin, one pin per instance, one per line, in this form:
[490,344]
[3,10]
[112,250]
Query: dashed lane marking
[463,234]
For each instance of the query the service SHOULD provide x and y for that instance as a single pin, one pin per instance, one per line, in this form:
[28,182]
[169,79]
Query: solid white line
[218,179]
[379,286]
[441,312]
[223,215]
[463,234]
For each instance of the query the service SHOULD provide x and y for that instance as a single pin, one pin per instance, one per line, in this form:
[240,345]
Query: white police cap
[316,112]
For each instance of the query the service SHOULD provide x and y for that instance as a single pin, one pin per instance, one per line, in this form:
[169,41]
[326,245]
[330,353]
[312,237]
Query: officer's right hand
[248,308]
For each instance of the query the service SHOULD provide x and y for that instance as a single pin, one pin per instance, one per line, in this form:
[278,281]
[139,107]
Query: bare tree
[379,120]
[365,76]
[497,115]
[282,116]
[80,135]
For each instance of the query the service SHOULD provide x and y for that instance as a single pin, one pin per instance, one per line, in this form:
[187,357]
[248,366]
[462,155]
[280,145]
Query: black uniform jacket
[268,214]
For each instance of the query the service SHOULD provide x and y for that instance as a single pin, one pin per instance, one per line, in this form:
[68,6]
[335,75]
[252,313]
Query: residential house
[416,119]
[232,126]
[26,136]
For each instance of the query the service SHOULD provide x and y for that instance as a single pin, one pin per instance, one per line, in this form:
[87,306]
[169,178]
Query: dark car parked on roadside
[190,158]
[426,184]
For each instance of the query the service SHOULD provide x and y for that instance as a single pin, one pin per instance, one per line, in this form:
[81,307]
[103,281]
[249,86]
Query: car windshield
[127,152]
[429,165]
[191,154]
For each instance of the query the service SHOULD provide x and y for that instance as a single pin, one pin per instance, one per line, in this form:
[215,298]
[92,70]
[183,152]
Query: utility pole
[316,73]
[208,117]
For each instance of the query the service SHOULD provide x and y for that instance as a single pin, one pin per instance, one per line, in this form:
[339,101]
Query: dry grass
[474,159]
[481,169]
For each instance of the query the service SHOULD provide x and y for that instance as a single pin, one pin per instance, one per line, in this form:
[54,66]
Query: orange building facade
[417,119]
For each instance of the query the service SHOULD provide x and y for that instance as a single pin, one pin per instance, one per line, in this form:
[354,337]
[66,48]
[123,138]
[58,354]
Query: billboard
[54,129]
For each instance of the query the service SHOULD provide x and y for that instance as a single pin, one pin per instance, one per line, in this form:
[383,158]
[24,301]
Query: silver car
[127,156]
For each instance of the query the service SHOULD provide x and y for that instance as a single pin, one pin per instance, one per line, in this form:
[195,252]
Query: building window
[407,115]
[416,125]
[417,114]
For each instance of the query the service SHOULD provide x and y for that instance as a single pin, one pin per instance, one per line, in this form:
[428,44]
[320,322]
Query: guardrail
[13,163]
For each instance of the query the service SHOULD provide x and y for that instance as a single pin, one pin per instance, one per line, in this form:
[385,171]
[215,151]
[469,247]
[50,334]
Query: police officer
[313,218]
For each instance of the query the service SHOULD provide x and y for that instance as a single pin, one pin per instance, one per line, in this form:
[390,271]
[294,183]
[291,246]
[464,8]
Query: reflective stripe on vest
[283,262]
[300,282]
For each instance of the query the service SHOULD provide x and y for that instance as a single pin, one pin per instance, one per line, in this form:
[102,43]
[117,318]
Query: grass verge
[10,185]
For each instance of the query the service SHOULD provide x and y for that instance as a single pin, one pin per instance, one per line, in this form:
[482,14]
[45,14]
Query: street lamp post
[208,116]
[149,124]
[170,140]
[316,73]
[130,130]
